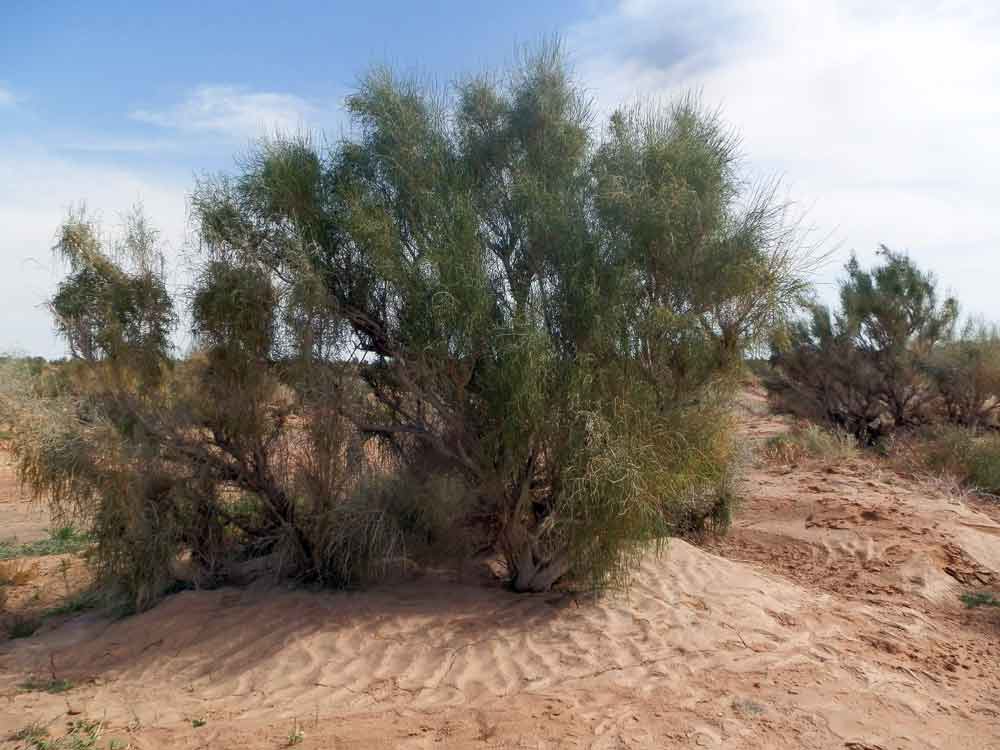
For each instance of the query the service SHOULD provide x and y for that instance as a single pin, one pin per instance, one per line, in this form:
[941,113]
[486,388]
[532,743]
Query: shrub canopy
[477,323]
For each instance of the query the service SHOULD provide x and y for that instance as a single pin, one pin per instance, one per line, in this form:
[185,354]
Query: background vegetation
[891,363]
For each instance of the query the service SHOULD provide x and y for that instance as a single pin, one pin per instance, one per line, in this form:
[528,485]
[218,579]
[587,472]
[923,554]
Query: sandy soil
[19,519]
[829,618]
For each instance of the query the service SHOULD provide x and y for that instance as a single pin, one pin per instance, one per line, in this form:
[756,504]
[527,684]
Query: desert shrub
[971,457]
[965,373]
[811,441]
[863,368]
[945,449]
[22,626]
[35,734]
[980,599]
[80,734]
[984,464]
[479,323]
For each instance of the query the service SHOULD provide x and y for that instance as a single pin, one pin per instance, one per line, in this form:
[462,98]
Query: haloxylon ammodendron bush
[480,322]
[892,357]
[865,368]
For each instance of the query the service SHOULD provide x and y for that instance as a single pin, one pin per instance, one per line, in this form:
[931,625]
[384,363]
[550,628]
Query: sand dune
[837,626]
[704,652]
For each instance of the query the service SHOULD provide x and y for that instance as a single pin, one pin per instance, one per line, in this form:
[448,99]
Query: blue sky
[880,118]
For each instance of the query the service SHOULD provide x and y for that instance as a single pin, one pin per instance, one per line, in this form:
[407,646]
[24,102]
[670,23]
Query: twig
[740,637]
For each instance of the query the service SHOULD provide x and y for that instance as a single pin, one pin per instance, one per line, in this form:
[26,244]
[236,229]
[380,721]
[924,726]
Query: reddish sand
[828,618]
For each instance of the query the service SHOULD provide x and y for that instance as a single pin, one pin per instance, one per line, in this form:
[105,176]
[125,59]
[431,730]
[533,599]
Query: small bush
[862,369]
[980,599]
[965,374]
[81,602]
[984,464]
[20,626]
[80,735]
[971,457]
[16,573]
[945,449]
[811,441]
[34,734]
[47,686]
[295,737]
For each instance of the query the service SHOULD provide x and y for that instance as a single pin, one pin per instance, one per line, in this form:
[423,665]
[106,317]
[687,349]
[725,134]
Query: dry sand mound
[704,653]
[838,627]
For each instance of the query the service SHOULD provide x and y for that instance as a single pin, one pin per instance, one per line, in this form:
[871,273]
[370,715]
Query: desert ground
[829,617]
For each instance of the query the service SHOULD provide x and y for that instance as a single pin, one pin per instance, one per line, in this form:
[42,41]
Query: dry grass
[954,456]
[810,442]
[16,573]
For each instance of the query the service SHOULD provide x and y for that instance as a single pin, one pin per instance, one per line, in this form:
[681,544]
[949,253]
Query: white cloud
[881,117]
[234,111]
[7,98]
[37,189]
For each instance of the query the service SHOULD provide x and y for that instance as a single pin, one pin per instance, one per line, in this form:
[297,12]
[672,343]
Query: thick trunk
[533,577]
[530,571]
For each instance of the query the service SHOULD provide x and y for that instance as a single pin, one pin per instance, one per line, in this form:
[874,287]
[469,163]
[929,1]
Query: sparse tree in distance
[863,368]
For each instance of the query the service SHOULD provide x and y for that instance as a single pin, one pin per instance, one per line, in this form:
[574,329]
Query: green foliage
[894,306]
[82,734]
[114,304]
[984,465]
[966,374]
[478,323]
[22,627]
[980,599]
[295,737]
[61,541]
[862,369]
[81,602]
[47,686]
[32,733]
[970,456]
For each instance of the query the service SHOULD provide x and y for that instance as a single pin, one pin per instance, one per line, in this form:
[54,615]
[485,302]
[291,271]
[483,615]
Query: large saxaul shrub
[479,323]
[865,368]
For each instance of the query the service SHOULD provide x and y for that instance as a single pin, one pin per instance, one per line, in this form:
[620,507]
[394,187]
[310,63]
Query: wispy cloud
[881,117]
[7,98]
[234,111]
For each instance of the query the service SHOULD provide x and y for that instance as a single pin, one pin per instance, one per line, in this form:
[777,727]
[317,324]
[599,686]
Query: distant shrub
[864,369]
[811,441]
[984,464]
[980,599]
[946,449]
[972,458]
[21,626]
[965,374]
